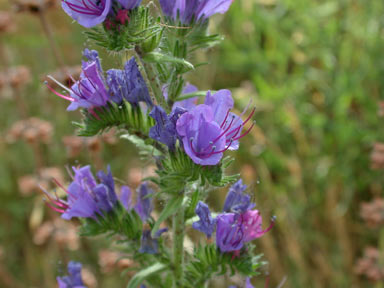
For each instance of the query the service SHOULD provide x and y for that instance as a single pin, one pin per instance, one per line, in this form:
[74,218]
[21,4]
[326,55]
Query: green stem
[152,79]
[178,248]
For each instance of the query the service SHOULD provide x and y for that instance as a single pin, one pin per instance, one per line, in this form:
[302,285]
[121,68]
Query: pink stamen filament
[225,149]
[225,119]
[193,150]
[245,122]
[245,133]
[273,221]
[64,189]
[224,132]
[54,208]
[60,95]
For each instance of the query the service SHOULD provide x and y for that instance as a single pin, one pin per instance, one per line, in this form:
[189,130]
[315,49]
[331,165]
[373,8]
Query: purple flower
[129,4]
[144,205]
[86,198]
[165,129]
[128,84]
[234,230]
[126,197]
[236,200]
[206,224]
[91,90]
[210,129]
[150,245]
[198,10]
[73,280]
[87,13]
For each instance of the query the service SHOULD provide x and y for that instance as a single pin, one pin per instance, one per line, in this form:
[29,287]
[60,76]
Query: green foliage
[117,222]
[141,29]
[145,273]
[146,150]
[178,169]
[208,262]
[172,206]
[113,115]
[160,58]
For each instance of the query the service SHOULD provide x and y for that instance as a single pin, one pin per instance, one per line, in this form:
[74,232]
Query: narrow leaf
[156,57]
[173,205]
[143,274]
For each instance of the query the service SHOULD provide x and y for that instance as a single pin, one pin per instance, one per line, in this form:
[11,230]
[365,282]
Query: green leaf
[114,115]
[208,261]
[172,206]
[147,272]
[145,150]
[191,95]
[157,57]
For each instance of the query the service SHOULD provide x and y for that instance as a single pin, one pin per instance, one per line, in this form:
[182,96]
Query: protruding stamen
[225,131]
[245,122]
[273,221]
[245,133]
[54,208]
[58,94]
[225,149]
[62,187]
[225,119]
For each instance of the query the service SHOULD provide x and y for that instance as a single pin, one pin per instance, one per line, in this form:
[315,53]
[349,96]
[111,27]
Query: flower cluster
[237,225]
[88,199]
[94,90]
[180,132]
[206,130]
[90,13]
[85,197]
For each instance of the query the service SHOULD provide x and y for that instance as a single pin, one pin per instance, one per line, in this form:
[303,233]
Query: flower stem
[178,248]
[152,79]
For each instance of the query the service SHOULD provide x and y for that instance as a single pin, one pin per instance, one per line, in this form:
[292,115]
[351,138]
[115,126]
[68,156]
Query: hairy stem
[152,79]
[178,248]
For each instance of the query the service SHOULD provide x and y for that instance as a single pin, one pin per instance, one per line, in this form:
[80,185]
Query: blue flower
[144,205]
[234,230]
[128,84]
[210,129]
[94,90]
[165,129]
[150,245]
[87,13]
[73,280]
[206,224]
[198,10]
[126,197]
[86,198]
[236,200]
[129,4]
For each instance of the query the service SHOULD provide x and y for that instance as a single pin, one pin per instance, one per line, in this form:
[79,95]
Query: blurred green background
[315,71]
